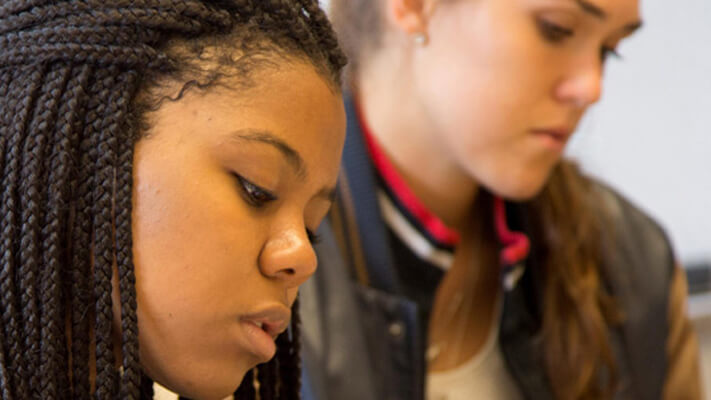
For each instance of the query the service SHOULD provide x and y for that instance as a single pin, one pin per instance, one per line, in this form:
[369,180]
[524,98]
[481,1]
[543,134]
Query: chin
[517,188]
[202,385]
[211,393]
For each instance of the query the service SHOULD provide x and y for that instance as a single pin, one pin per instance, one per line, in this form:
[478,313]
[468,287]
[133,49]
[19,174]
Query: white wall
[650,136]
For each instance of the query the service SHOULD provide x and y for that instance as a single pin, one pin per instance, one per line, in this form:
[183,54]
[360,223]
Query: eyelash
[606,52]
[259,197]
[552,32]
[557,34]
[255,195]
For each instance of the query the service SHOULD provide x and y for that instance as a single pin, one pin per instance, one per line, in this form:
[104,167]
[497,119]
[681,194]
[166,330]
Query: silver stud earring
[421,39]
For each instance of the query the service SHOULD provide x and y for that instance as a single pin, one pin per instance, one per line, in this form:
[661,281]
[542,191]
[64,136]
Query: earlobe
[410,16]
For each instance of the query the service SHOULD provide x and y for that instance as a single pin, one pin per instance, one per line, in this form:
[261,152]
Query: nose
[288,256]
[583,87]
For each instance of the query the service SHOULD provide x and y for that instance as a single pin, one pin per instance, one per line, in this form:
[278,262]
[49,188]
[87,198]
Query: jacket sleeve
[683,379]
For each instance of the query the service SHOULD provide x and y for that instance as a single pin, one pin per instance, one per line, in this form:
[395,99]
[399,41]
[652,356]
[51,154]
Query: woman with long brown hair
[163,164]
[466,259]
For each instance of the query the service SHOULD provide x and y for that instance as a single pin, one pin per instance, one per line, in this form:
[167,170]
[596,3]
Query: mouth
[555,137]
[263,327]
[273,329]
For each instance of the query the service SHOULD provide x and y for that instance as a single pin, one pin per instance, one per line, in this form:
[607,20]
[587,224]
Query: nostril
[287,272]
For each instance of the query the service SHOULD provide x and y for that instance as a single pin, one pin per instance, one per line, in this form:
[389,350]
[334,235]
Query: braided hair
[76,77]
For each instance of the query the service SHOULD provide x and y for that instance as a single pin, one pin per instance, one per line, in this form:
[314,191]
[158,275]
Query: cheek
[194,265]
[487,67]
[189,225]
[484,84]
[475,88]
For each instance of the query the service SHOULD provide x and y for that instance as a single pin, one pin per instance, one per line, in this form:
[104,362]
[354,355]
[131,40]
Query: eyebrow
[592,9]
[290,154]
[599,13]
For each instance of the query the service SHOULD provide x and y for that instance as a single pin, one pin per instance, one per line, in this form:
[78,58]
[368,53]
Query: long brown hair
[76,78]
[567,232]
[577,309]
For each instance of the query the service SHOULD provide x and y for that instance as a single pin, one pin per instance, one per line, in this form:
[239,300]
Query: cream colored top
[161,393]
[484,376]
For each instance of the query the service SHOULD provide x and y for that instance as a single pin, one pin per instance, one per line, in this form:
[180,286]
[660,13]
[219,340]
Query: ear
[410,16]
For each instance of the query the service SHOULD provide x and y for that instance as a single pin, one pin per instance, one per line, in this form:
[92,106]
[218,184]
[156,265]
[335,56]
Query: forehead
[294,97]
[293,102]
[290,84]
[613,11]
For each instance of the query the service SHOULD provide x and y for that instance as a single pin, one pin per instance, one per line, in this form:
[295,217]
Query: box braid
[77,77]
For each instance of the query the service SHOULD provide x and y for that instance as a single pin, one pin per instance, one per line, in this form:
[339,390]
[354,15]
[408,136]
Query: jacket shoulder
[636,248]
[638,266]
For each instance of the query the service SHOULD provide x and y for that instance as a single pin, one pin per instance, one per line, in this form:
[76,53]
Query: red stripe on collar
[516,245]
[434,225]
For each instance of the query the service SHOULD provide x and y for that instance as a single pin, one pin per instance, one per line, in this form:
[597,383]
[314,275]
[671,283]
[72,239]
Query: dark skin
[229,188]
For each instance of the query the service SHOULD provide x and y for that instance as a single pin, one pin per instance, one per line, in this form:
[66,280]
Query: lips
[553,138]
[273,320]
[560,134]
[263,327]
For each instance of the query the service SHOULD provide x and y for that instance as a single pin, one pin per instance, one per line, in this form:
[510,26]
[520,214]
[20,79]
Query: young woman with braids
[464,259]
[163,164]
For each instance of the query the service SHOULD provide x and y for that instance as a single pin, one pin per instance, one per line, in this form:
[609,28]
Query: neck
[403,129]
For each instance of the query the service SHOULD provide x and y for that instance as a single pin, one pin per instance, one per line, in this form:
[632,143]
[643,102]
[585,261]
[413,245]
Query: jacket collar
[360,180]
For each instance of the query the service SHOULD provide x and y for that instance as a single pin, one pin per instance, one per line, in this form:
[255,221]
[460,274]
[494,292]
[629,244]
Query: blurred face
[229,186]
[505,82]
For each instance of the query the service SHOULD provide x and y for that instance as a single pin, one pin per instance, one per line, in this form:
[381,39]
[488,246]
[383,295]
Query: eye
[607,52]
[553,32]
[255,195]
[313,238]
